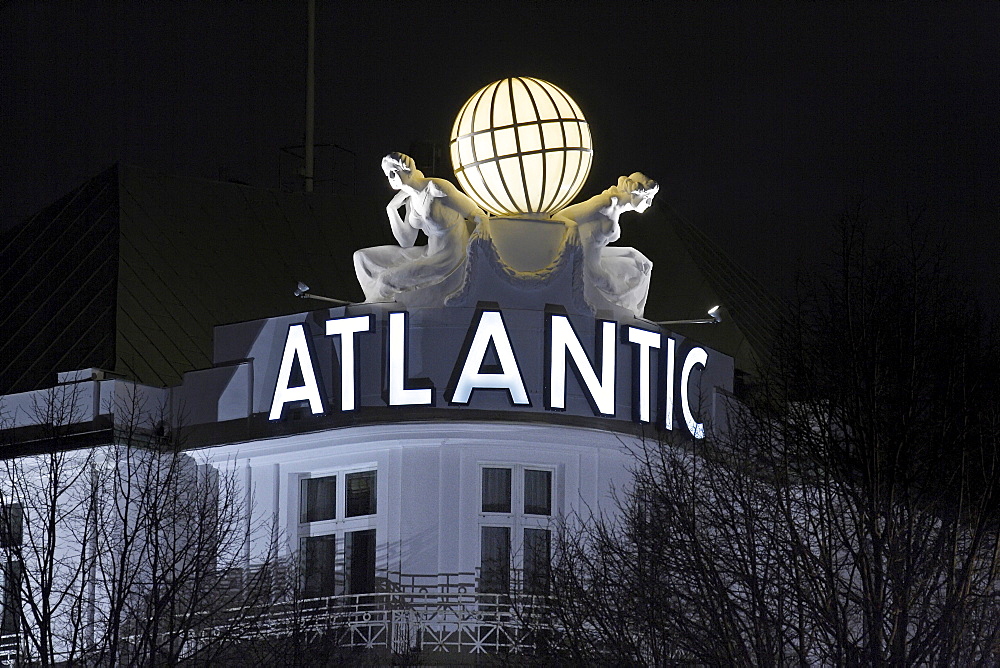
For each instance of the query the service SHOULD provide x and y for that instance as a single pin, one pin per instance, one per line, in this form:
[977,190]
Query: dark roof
[59,273]
[131,271]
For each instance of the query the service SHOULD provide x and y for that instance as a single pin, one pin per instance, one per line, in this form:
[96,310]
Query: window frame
[482,490]
[517,520]
[350,582]
[11,524]
[303,498]
[504,575]
[517,490]
[338,527]
[336,576]
[524,490]
[373,493]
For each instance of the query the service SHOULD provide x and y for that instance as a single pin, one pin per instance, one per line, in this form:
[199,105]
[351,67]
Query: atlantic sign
[487,358]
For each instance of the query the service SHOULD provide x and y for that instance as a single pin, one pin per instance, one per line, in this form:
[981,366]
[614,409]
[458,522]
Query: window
[494,576]
[319,559]
[11,524]
[537,492]
[516,506]
[359,559]
[337,534]
[318,499]
[360,494]
[496,490]
[536,561]
[11,535]
[10,596]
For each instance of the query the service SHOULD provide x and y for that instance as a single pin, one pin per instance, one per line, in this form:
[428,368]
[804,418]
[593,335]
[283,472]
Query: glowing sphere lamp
[521,146]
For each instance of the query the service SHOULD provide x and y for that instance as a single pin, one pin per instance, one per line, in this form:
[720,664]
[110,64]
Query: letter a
[296,346]
[490,328]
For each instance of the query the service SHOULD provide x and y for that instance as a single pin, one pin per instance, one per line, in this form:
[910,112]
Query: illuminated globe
[521,145]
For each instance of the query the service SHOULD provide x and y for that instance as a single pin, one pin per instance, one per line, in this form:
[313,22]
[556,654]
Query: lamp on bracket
[713,319]
[302,291]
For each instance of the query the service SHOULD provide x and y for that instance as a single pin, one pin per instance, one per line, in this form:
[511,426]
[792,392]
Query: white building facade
[413,465]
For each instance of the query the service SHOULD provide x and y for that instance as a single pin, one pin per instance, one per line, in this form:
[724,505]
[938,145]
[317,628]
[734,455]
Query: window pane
[10,597]
[536,561]
[319,559]
[11,525]
[494,574]
[538,492]
[496,490]
[359,554]
[318,499]
[361,493]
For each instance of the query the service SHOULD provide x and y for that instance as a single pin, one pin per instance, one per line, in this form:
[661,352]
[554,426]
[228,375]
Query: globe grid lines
[502,127]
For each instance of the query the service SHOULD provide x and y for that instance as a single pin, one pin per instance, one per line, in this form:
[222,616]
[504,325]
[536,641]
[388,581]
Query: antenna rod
[310,96]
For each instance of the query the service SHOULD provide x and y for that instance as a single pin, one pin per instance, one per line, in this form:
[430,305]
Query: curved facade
[439,498]
[415,464]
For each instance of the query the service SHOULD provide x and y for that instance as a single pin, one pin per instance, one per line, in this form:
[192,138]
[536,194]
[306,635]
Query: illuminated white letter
[295,346]
[668,391]
[647,341]
[696,356]
[491,328]
[346,329]
[399,395]
[602,392]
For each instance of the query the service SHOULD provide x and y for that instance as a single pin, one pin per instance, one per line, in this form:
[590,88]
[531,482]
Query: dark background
[763,123]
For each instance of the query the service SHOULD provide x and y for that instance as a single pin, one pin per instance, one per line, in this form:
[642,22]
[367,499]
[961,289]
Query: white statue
[620,275]
[446,216]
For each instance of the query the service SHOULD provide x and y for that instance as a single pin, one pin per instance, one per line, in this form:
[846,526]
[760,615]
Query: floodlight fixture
[714,319]
[302,291]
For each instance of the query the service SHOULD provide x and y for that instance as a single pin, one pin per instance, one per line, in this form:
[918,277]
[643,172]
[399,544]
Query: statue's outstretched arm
[405,233]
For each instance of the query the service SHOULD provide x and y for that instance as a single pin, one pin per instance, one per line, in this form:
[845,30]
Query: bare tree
[172,566]
[846,513]
[43,579]
[131,553]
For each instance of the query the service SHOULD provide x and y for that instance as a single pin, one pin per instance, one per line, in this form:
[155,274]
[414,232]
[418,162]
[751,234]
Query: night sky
[762,123]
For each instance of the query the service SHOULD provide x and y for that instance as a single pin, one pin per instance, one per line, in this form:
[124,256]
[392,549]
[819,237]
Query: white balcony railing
[408,613]
[425,613]
[8,650]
